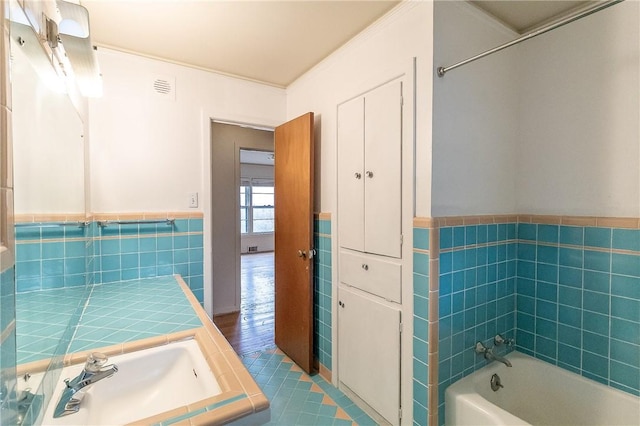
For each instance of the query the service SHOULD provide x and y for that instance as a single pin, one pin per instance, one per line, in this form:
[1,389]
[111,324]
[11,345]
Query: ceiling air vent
[164,87]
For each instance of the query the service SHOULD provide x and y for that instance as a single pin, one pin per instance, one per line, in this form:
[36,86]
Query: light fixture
[73,31]
[63,32]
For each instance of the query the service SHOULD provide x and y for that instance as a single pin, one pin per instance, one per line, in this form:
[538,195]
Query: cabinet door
[383,168]
[378,275]
[369,351]
[351,174]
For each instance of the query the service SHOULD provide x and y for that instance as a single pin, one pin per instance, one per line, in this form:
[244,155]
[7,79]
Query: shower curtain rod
[579,15]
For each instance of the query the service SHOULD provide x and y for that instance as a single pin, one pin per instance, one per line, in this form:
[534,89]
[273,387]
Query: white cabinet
[378,275]
[369,171]
[370,239]
[369,356]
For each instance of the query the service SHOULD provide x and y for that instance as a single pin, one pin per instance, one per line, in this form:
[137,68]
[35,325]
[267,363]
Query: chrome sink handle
[94,370]
[95,361]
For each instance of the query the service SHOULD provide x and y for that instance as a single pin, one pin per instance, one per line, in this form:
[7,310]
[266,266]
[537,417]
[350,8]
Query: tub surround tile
[565,282]
[425,304]
[594,297]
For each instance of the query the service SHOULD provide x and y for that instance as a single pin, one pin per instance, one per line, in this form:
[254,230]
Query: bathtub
[536,393]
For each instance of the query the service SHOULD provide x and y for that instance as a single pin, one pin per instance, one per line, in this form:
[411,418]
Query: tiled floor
[297,398]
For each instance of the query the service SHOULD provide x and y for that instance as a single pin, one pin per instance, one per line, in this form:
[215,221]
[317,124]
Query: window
[256,206]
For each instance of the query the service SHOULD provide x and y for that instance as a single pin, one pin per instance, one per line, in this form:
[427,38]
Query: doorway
[293,227]
[252,327]
[241,165]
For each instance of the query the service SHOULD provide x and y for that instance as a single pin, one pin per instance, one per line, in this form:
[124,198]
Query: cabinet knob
[365,266]
[340,303]
[369,174]
[357,175]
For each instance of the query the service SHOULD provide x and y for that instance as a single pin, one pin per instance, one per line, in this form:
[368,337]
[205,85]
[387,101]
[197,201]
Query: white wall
[147,152]
[383,51]
[475,111]
[48,157]
[579,150]
[550,126]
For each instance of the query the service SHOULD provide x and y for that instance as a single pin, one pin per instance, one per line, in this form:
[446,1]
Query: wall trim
[595,221]
[69,217]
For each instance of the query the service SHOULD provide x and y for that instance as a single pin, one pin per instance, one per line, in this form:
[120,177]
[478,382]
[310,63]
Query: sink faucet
[94,371]
[490,355]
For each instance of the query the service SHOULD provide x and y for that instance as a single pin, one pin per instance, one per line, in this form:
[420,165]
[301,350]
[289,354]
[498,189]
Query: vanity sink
[148,382]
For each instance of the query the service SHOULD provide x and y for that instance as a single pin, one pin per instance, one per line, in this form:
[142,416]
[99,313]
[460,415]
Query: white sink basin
[148,382]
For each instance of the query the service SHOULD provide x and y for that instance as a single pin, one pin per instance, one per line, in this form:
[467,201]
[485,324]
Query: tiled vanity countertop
[126,316]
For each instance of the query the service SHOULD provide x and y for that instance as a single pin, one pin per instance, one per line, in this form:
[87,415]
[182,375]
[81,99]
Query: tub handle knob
[498,340]
[496,383]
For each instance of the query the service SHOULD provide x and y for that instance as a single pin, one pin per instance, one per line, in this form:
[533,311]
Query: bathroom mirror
[49,207]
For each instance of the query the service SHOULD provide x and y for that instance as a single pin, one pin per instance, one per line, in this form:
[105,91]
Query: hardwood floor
[251,329]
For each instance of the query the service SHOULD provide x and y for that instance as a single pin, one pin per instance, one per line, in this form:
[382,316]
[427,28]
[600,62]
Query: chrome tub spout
[490,355]
[94,371]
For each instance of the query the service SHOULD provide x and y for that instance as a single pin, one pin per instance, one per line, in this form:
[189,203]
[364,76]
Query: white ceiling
[270,41]
[273,42]
[524,15]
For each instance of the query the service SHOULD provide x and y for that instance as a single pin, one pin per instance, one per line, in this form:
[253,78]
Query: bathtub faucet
[488,354]
[94,371]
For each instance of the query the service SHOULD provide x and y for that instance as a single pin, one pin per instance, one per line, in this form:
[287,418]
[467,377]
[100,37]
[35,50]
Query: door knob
[357,175]
[302,253]
[369,174]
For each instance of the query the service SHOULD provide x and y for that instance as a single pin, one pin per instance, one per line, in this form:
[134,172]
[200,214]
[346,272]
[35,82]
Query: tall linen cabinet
[370,247]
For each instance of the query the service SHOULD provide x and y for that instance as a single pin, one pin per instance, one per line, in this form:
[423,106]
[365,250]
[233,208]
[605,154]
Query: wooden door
[383,170]
[294,240]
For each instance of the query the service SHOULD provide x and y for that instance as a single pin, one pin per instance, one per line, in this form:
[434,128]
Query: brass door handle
[302,253]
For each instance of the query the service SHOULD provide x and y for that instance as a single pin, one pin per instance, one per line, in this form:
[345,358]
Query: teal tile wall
[128,252]
[322,293]
[7,347]
[92,252]
[578,298]
[420,326]
[570,295]
[477,296]
[50,256]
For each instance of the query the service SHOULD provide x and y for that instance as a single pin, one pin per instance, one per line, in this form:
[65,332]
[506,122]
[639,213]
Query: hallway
[251,329]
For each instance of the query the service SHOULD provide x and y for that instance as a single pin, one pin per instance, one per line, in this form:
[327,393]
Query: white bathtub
[536,393]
